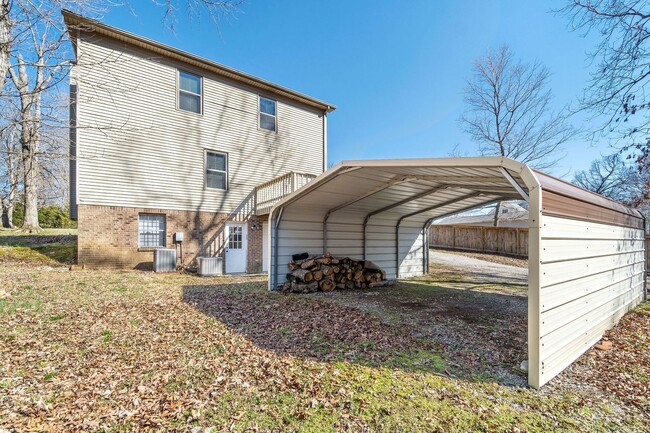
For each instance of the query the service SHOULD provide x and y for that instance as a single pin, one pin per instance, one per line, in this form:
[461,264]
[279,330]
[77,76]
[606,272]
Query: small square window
[216,170]
[268,117]
[151,230]
[190,90]
[235,238]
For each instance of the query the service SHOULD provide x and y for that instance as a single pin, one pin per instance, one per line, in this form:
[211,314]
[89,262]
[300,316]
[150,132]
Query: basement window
[151,230]
[216,170]
[190,89]
[267,114]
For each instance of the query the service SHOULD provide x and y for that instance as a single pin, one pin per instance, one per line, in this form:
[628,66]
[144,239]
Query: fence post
[453,237]
[517,233]
[483,239]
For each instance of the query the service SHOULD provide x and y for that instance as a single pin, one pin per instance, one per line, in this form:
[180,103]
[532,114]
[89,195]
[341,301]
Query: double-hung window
[268,119]
[190,90]
[151,230]
[216,170]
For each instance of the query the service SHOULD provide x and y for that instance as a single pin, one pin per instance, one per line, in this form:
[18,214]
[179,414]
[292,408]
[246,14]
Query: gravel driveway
[480,270]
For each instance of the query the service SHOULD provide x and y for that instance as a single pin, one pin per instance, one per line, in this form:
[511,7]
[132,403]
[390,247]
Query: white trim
[244,246]
[260,113]
[179,90]
[205,170]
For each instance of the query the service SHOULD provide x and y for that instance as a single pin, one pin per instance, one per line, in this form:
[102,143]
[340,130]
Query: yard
[136,351]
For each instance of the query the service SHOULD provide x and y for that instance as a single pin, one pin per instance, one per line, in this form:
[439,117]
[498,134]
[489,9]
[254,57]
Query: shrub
[49,217]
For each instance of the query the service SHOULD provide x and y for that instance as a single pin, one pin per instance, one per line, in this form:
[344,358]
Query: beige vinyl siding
[136,149]
[591,274]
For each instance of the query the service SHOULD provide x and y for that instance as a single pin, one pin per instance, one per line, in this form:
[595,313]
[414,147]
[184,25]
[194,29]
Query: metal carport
[586,252]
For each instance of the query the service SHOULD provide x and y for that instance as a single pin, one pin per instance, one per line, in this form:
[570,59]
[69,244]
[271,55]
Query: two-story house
[163,141]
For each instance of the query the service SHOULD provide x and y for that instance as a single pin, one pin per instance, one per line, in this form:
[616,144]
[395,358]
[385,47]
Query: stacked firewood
[325,273]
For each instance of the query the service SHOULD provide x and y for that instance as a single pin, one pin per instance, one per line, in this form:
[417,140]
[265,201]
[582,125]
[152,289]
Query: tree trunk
[5,218]
[29,141]
[30,166]
[8,206]
[11,168]
[30,118]
[497,210]
[5,41]
[8,215]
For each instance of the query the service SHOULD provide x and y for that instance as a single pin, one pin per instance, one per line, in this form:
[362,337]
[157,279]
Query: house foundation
[109,236]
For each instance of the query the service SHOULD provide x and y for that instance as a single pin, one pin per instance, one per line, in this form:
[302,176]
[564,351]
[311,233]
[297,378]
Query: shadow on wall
[413,326]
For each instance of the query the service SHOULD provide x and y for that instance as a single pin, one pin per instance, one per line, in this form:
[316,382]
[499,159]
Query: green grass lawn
[126,351]
[51,246]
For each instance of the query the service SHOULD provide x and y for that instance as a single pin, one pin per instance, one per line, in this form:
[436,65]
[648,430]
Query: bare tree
[508,112]
[5,40]
[616,94]
[9,174]
[37,67]
[215,10]
[610,176]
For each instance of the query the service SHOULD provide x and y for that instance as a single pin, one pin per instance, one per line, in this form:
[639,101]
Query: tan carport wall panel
[592,271]
[569,306]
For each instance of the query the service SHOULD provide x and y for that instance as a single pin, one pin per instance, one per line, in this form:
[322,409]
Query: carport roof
[425,189]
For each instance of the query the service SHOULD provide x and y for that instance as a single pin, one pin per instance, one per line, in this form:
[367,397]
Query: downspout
[325,139]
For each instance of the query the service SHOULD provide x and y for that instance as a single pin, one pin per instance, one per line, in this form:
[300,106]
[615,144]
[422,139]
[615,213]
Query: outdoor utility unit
[164,260]
[178,237]
[210,266]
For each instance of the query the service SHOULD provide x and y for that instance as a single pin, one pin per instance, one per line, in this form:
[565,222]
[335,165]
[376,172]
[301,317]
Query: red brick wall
[255,244]
[108,236]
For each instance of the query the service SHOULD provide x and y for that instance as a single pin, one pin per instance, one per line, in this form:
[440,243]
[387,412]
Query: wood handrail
[272,191]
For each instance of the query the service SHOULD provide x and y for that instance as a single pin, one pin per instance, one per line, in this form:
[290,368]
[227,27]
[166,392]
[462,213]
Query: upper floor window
[216,170]
[267,114]
[189,92]
[151,230]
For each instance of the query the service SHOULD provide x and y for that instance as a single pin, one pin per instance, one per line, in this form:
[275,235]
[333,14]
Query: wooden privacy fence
[502,240]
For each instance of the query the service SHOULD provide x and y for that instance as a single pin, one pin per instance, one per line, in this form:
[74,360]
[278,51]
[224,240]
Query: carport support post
[425,253]
[428,209]
[535,369]
[273,268]
[392,206]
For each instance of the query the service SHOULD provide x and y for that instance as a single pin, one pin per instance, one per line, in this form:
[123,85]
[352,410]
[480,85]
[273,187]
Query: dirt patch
[302,326]
[479,328]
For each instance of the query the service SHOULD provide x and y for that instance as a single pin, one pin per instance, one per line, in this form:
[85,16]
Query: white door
[235,248]
[265,247]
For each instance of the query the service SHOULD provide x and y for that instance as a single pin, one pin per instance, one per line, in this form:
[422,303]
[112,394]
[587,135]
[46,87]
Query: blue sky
[395,70]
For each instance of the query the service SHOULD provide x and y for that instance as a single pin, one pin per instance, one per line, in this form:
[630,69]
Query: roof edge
[75,20]
[533,178]
[481,161]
